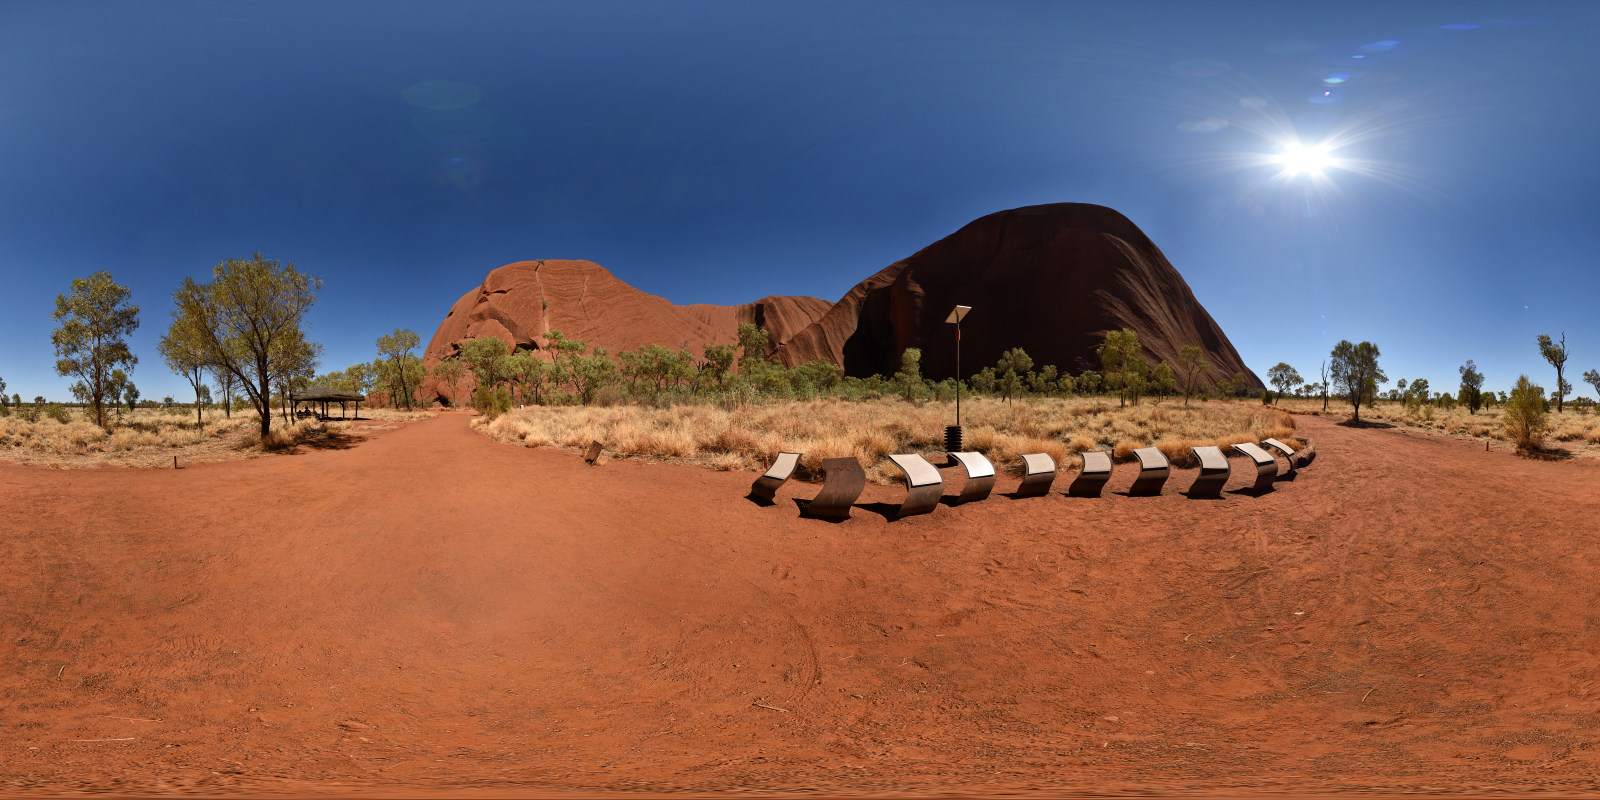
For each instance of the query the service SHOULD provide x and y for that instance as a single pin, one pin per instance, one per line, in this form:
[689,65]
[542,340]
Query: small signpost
[952,433]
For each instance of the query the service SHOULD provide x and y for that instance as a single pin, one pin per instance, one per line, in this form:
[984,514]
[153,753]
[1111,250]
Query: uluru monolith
[523,301]
[1050,279]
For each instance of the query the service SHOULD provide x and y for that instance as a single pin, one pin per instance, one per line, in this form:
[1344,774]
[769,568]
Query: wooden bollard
[174,462]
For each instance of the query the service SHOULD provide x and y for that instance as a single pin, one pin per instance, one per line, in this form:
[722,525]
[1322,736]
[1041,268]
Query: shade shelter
[326,395]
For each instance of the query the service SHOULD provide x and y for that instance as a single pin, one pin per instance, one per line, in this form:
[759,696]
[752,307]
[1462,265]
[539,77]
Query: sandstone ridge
[522,302]
[1050,279]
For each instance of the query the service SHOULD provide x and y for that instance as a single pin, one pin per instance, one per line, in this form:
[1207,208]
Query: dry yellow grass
[1576,428]
[749,438]
[151,437]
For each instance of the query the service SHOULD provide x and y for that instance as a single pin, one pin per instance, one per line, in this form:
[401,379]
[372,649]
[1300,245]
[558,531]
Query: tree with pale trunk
[94,319]
[248,319]
[1356,373]
[181,350]
[1556,354]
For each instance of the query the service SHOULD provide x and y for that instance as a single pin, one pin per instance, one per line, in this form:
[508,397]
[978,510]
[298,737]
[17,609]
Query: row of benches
[845,479]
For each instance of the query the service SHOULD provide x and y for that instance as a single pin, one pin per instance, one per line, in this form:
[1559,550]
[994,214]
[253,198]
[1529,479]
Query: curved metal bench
[1266,465]
[1153,471]
[1096,471]
[1214,469]
[1038,472]
[842,485]
[980,476]
[1286,450]
[766,486]
[924,484]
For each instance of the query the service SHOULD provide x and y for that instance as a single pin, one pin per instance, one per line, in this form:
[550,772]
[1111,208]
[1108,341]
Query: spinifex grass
[749,437]
[151,437]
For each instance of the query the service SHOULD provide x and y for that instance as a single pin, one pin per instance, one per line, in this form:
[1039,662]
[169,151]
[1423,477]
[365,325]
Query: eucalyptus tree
[404,368]
[1556,354]
[181,350]
[248,320]
[94,319]
[1356,373]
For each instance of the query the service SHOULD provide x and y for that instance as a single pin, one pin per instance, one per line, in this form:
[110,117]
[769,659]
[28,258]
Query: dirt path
[432,610]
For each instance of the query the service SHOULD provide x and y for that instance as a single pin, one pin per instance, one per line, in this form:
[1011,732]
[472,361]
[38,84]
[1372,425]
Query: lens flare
[1305,159]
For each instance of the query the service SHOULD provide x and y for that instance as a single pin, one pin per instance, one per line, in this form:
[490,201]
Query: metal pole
[958,372]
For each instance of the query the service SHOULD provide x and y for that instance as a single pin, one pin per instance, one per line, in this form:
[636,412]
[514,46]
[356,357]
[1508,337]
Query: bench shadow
[889,511]
[1250,491]
[761,501]
[1349,423]
[1286,476]
[1021,496]
[803,504]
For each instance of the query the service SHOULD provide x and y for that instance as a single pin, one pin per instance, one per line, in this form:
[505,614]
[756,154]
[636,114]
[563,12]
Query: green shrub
[1526,416]
[58,412]
[491,403]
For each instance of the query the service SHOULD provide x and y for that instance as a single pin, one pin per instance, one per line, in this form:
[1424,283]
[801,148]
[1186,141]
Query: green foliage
[718,360]
[1163,380]
[1192,369]
[1556,354]
[752,346]
[1009,371]
[450,373]
[910,375]
[58,412]
[1356,373]
[247,321]
[1526,415]
[984,381]
[1471,393]
[404,371]
[1283,376]
[1592,378]
[89,340]
[486,357]
[182,349]
[491,401]
[1123,362]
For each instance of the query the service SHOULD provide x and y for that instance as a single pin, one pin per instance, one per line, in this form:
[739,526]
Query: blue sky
[723,151]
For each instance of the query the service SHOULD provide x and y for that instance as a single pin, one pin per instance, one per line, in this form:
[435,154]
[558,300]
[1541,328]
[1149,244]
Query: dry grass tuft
[750,437]
[151,437]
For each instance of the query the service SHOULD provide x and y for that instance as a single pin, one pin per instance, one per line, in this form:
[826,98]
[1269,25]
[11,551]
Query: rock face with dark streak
[1050,279]
[522,302]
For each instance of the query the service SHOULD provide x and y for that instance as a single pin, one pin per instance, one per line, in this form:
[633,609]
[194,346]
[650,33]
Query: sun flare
[1298,159]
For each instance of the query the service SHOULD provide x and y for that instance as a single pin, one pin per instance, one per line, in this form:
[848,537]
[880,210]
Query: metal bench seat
[1153,471]
[1266,465]
[1038,472]
[766,486]
[1286,450]
[980,476]
[924,484]
[842,484]
[1214,469]
[1096,471]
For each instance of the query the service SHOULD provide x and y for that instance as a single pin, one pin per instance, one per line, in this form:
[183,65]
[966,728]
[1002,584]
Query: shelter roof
[325,393]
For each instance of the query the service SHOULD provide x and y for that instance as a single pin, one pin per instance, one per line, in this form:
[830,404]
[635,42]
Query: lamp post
[952,435]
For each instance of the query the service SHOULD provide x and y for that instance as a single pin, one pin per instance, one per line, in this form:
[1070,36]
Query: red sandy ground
[430,611]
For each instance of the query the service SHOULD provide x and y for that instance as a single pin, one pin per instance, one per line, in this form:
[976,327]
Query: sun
[1302,159]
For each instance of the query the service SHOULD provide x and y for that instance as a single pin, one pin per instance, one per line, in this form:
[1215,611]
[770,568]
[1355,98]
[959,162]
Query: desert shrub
[491,402]
[59,413]
[1526,415]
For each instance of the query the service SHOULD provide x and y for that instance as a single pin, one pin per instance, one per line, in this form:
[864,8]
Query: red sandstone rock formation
[522,302]
[1050,279]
